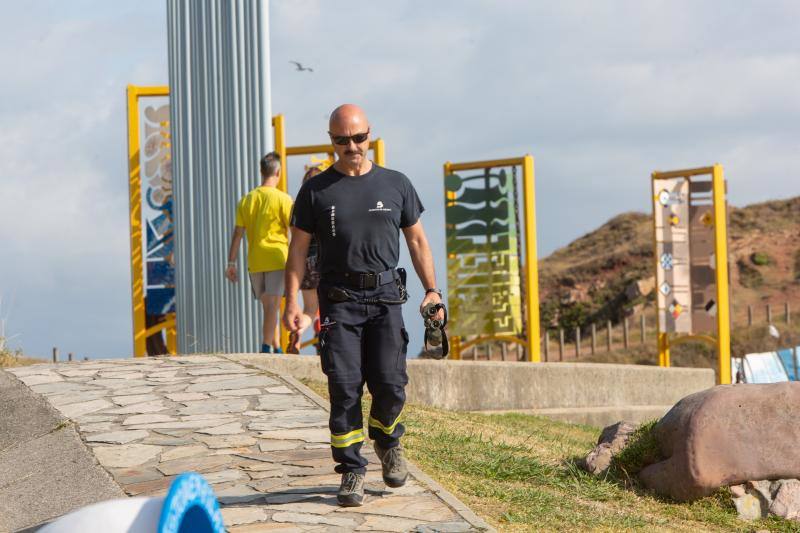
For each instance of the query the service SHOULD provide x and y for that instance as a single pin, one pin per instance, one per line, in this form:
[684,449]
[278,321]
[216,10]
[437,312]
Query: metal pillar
[221,126]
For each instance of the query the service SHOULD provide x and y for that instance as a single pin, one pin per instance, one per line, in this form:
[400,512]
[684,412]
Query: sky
[600,93]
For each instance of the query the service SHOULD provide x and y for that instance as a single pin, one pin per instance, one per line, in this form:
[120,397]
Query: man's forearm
[422,259]
[295,270]
[233,251]
[296,264]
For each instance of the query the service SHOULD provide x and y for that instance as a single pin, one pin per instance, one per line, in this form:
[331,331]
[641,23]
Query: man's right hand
[292,316]
[232,274]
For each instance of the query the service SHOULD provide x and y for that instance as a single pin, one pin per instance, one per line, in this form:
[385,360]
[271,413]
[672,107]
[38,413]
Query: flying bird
[300,67]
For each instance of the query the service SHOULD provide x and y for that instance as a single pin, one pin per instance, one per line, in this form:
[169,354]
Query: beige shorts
[269,283]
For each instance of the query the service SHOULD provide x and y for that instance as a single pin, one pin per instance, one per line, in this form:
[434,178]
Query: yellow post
[455,341]
[662,341]
[379,150]
[663,349]
[135,193]
[279,132]
[280,147]
[531,260]
[455,348]
[135,212]
[721,261]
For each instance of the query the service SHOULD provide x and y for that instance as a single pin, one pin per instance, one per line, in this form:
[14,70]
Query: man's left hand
[432,298]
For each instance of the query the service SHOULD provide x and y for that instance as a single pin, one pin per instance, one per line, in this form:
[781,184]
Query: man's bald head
[348,119]
[349,131]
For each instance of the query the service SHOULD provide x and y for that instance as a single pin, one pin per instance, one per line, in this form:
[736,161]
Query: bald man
[356,210]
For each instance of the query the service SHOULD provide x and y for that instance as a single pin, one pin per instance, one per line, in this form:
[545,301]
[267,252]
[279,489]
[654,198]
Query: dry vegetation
[585,281]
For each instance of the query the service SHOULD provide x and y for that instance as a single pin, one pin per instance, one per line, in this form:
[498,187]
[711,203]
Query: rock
[612,440]
[750,504]
[302,518]
[726,435]
[738,490]
[79,409]
[118,437]
[226,429]
[131,399]
[126,456]
[786,499]
[231,405]
[146,419]
[235,516]
[639,288]
[227,441]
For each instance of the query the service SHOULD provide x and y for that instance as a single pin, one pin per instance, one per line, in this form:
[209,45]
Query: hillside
[587,279]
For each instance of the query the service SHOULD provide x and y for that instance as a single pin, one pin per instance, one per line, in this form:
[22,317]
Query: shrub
[749,276]
[759,258]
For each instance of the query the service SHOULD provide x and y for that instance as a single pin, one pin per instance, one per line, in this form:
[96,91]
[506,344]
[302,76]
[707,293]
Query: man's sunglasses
[344,140]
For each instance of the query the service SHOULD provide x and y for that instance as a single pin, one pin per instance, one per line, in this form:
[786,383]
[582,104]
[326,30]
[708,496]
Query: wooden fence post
[625,333]
[504,351]
[577,342]
[55,355]
[786,315]
[546,345]
[608,336]
[560,344]
[769,314]
[749,315]
[594,338]
[642,327]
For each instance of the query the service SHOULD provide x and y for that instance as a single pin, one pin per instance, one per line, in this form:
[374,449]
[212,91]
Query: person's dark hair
[270,164]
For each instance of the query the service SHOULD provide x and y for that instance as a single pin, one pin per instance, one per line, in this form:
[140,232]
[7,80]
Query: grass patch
[759,258]
[519,473]
[641,450]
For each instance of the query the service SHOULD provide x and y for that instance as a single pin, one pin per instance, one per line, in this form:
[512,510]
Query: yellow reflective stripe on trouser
[343,441]
[373,422]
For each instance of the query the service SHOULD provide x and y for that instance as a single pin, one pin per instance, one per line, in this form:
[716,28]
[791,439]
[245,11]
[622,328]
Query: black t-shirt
[357,219]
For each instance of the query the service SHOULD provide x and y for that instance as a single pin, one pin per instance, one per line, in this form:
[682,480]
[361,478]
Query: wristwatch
[437,291]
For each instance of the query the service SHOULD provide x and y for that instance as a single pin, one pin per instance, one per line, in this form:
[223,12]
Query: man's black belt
[361,280]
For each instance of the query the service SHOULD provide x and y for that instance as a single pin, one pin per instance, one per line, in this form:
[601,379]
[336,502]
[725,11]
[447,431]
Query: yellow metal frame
[532,341]
[723,339]
[140,331]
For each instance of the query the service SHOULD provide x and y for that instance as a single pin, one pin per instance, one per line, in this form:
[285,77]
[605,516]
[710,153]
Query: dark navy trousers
[363,343]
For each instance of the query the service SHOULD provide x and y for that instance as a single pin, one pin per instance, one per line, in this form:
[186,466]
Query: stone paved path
[260,440]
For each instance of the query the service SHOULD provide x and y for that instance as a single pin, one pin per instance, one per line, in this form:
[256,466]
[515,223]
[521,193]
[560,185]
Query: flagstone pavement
[260,439]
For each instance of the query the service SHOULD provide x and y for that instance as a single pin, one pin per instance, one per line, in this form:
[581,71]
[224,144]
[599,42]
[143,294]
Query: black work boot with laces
[393,464]
[351,491]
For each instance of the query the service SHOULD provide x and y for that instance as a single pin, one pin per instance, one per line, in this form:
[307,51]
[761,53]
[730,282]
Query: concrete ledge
[568,388]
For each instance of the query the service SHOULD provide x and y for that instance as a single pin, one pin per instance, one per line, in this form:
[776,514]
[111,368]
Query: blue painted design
[160,301]
[190,507]
[162,224]
[160,272]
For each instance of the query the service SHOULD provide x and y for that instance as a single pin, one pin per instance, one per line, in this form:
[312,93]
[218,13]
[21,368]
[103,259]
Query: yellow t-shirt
[264,213]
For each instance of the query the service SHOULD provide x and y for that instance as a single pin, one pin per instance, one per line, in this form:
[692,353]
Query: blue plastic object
[190,507]
[788,362]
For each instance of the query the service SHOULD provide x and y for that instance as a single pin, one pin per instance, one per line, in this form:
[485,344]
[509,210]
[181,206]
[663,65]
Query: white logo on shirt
[333,221]
[379,207]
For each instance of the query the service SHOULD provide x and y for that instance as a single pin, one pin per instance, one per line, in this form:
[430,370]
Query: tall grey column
[221,123]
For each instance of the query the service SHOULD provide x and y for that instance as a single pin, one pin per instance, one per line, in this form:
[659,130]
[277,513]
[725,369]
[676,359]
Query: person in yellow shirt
[263,215]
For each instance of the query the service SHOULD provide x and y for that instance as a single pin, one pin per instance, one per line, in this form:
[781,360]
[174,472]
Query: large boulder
[724,436]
